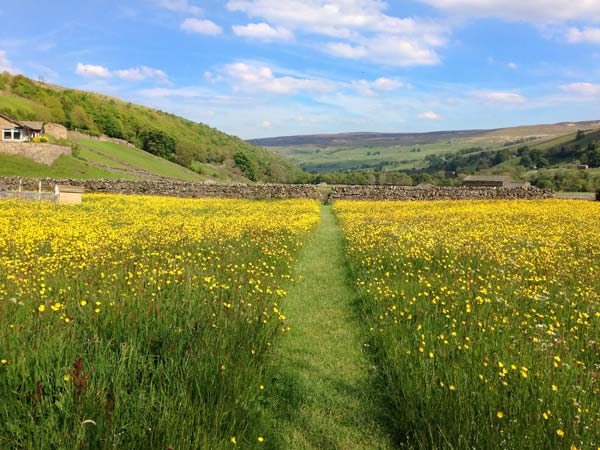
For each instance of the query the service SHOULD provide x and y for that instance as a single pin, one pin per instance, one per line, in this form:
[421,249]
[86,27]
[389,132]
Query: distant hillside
[364,139]
[189,144]
[406,151]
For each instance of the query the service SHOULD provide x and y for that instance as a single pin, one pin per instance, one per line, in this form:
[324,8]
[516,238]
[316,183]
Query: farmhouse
[19,131]
[494,181]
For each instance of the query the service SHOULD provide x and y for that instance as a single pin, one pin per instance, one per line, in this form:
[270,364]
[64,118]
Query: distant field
[387,158]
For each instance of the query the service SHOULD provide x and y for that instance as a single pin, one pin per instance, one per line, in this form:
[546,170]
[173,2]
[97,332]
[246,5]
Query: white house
[19,131]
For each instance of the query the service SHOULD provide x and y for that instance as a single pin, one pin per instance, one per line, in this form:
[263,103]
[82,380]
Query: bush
[36,139]
[43,139]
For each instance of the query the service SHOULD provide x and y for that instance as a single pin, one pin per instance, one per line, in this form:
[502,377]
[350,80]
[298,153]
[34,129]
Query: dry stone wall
[78,135]
[40,153]
[410,193]
[184,189]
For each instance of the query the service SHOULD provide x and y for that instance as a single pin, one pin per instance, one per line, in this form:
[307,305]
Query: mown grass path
[323,395]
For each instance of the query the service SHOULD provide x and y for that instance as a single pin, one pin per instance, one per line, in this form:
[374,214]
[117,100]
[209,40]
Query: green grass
[323,396]
[63,167]
[121,155]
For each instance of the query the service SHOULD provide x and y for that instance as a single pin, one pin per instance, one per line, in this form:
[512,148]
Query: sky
[260,68]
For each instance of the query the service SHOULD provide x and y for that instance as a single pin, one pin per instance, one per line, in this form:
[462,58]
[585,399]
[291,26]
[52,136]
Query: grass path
[323,394]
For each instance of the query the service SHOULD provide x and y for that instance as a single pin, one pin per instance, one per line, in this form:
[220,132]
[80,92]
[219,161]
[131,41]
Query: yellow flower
[83,303]
[560,433]
[233,440]
[500,415]
[41,308]
[261,439]
[67,378]
[3,361]
[452,387]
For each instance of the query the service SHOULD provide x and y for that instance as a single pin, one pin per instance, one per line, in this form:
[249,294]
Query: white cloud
[583,89]
[5,64]
[263,31]
[346,50]
[134,74]
[587,34]
[266,124]
[429,115]
[387,84]
[366,87]
[523,10]
[512,65]
[142,73]
[180,6]
[254,77]
[501,97]
[360,28]
[201,26]
[92,71]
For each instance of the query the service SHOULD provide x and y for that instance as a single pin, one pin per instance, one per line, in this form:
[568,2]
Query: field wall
[39,153]
[78,135]
[186,189]
[409,193]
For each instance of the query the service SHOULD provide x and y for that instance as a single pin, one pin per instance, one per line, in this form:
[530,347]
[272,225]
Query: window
[11,134]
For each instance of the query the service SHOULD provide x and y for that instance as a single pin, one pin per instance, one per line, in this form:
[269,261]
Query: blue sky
[258,68]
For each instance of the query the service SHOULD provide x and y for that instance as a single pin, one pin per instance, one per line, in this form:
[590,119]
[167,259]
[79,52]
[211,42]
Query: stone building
[494,181]
[19,131]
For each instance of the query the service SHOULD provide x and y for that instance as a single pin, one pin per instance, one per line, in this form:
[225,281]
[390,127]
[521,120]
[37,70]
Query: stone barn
[494,181]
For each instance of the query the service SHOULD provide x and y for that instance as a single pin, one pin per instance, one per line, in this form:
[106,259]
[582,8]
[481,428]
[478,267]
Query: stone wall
[169,188]
[173,188]
[410,193]
[78,135]
[40,153]
[55,130]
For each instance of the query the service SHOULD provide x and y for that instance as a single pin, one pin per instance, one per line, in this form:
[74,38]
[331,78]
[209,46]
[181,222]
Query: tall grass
[138,323]
[485,319]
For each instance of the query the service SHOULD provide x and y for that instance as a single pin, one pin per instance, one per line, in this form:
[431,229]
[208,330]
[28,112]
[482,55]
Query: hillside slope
[187,143]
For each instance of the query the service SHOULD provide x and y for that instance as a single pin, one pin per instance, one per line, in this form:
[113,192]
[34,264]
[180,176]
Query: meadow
[484,319]
[139,322]
[161,323]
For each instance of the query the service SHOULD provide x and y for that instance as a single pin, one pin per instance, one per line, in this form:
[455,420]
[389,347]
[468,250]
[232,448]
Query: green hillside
[198,147]
[565,163]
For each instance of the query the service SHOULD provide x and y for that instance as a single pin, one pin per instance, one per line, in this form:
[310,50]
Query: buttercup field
[300,225]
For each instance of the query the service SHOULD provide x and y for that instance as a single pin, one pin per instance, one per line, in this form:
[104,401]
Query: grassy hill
[407,151]
[206,152]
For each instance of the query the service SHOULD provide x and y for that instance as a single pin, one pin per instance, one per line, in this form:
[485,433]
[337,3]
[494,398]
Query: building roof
[35,126]
[32,125]
[10,119]
[488,178]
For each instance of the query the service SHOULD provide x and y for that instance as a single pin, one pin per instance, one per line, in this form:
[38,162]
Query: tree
[158,143]
[243,162]
[526,161]
[580,135]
